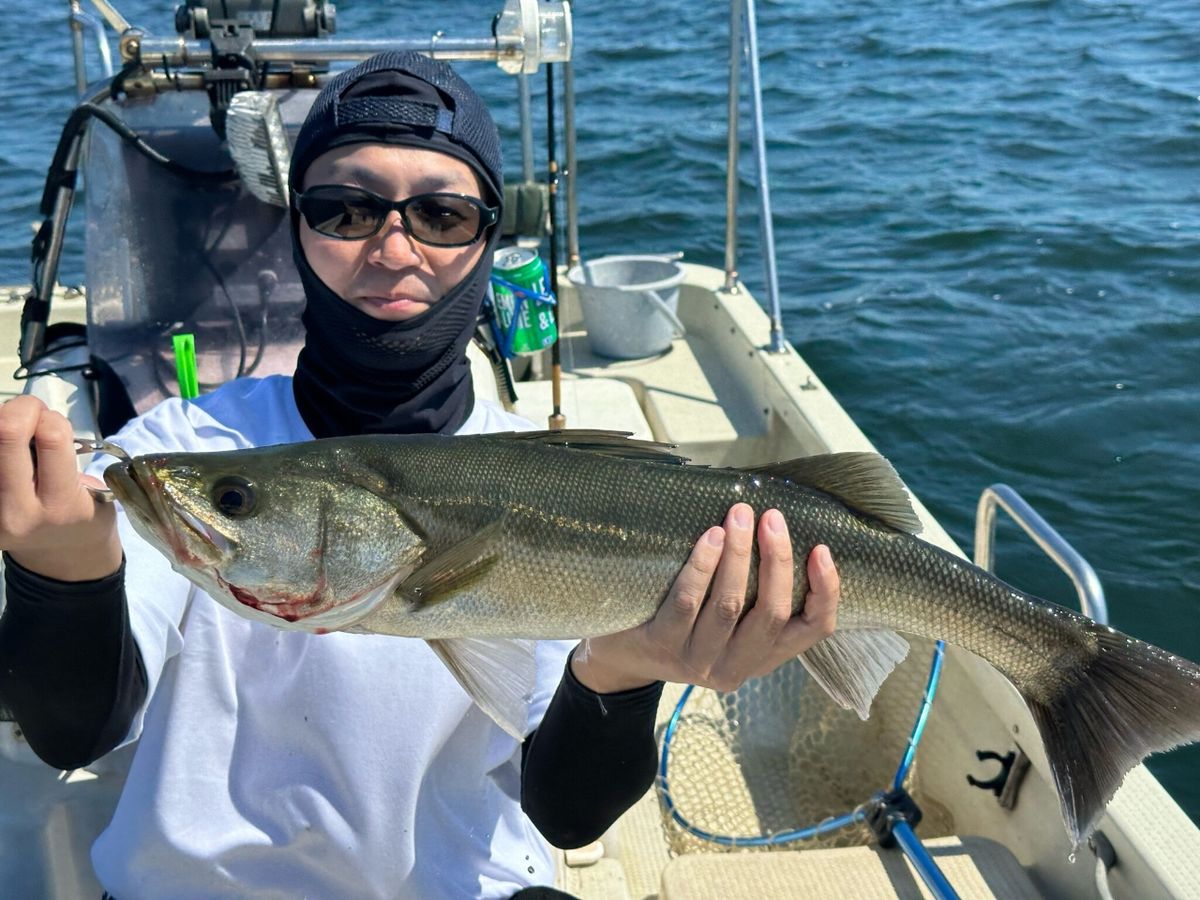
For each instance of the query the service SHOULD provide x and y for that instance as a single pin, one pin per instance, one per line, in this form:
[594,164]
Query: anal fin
[851,664]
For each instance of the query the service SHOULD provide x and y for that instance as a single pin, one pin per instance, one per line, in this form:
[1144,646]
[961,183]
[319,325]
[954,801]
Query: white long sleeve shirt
[275,763]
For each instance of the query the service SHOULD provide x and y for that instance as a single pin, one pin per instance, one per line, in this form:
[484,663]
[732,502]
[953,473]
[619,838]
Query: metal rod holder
[177,51]
[525,107]
[526,34]
[572,161]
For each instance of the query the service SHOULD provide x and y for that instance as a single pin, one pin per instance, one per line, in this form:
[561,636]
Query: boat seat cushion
[976,868]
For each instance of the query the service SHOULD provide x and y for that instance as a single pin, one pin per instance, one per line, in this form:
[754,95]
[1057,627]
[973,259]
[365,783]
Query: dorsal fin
[608,443]
[865,481]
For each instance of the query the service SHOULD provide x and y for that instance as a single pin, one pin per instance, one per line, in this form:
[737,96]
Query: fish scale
[482,544]
[888,578]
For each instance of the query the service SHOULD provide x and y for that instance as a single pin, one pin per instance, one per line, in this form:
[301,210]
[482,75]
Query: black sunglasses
[352,214]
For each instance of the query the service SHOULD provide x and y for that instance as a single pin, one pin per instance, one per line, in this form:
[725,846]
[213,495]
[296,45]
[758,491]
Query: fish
[481,545]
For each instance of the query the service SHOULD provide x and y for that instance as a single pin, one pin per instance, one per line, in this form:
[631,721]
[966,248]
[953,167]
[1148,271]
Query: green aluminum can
[535,327]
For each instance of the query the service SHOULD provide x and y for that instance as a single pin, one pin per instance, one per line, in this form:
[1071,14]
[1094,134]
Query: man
[289,764]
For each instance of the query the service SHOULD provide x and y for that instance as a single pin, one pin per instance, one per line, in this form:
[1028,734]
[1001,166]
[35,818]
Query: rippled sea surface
[988,225]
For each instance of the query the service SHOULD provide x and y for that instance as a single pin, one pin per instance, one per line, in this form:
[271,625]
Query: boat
[768,791]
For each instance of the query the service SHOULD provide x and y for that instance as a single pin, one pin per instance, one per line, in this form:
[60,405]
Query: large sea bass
[472,542]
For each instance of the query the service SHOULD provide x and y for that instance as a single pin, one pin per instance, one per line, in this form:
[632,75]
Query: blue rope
[800,834]
[935,673]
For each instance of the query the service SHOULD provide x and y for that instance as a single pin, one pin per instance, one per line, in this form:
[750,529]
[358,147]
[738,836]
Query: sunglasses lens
[342,213]
[443,219]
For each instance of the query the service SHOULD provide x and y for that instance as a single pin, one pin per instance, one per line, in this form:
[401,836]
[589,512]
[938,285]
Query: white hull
[723,399]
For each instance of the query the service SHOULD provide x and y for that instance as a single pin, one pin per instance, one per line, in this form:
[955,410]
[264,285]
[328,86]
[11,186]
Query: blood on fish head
[301,538]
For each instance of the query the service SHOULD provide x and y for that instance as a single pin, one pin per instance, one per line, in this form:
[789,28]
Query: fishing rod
[557,420]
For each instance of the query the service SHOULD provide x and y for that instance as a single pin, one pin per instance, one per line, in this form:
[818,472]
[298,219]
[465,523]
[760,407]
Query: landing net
[777,762]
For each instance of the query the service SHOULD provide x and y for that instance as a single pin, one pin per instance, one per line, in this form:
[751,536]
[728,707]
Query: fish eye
[234,497]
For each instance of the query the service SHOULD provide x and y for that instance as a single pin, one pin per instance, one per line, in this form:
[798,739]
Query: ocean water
[987,215]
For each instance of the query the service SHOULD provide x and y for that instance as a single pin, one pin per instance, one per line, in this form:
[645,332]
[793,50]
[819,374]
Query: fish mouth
[147,498]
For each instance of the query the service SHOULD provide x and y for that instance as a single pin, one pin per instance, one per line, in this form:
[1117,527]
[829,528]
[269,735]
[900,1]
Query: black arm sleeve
[70,672]
[591,758]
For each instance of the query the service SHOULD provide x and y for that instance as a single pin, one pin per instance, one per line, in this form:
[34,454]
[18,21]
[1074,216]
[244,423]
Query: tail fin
[1103,715]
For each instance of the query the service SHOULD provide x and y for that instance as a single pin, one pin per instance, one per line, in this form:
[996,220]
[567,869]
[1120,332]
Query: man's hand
[709,642]
[49,521]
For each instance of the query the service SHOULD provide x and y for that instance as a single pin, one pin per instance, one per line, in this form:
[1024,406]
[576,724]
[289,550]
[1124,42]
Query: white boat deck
[723,399]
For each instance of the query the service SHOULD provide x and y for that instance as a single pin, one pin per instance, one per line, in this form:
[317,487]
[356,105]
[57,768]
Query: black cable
[206,259]
[57,197]
[113,121]
[267,281]
[25,371]
[238,324]
[59,174]
[63,174]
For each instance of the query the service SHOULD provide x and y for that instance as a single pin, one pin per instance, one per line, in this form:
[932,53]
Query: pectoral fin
[851,664]
[455,568]
[499,674]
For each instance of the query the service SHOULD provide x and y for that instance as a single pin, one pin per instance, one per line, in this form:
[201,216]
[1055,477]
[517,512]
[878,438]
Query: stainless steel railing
[743,43]
[1078,569]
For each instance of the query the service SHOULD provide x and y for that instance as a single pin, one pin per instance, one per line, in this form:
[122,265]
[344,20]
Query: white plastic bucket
[629,304]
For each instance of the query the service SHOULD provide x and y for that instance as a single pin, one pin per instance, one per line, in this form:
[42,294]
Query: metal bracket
[195,19]
[232,70]
[888,810]
[1007,782]
[529,33]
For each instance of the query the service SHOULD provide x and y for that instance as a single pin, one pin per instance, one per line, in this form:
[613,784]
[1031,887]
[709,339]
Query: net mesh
[778,755]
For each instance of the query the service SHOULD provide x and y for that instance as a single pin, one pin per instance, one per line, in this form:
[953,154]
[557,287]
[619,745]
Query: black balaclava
[356,374]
